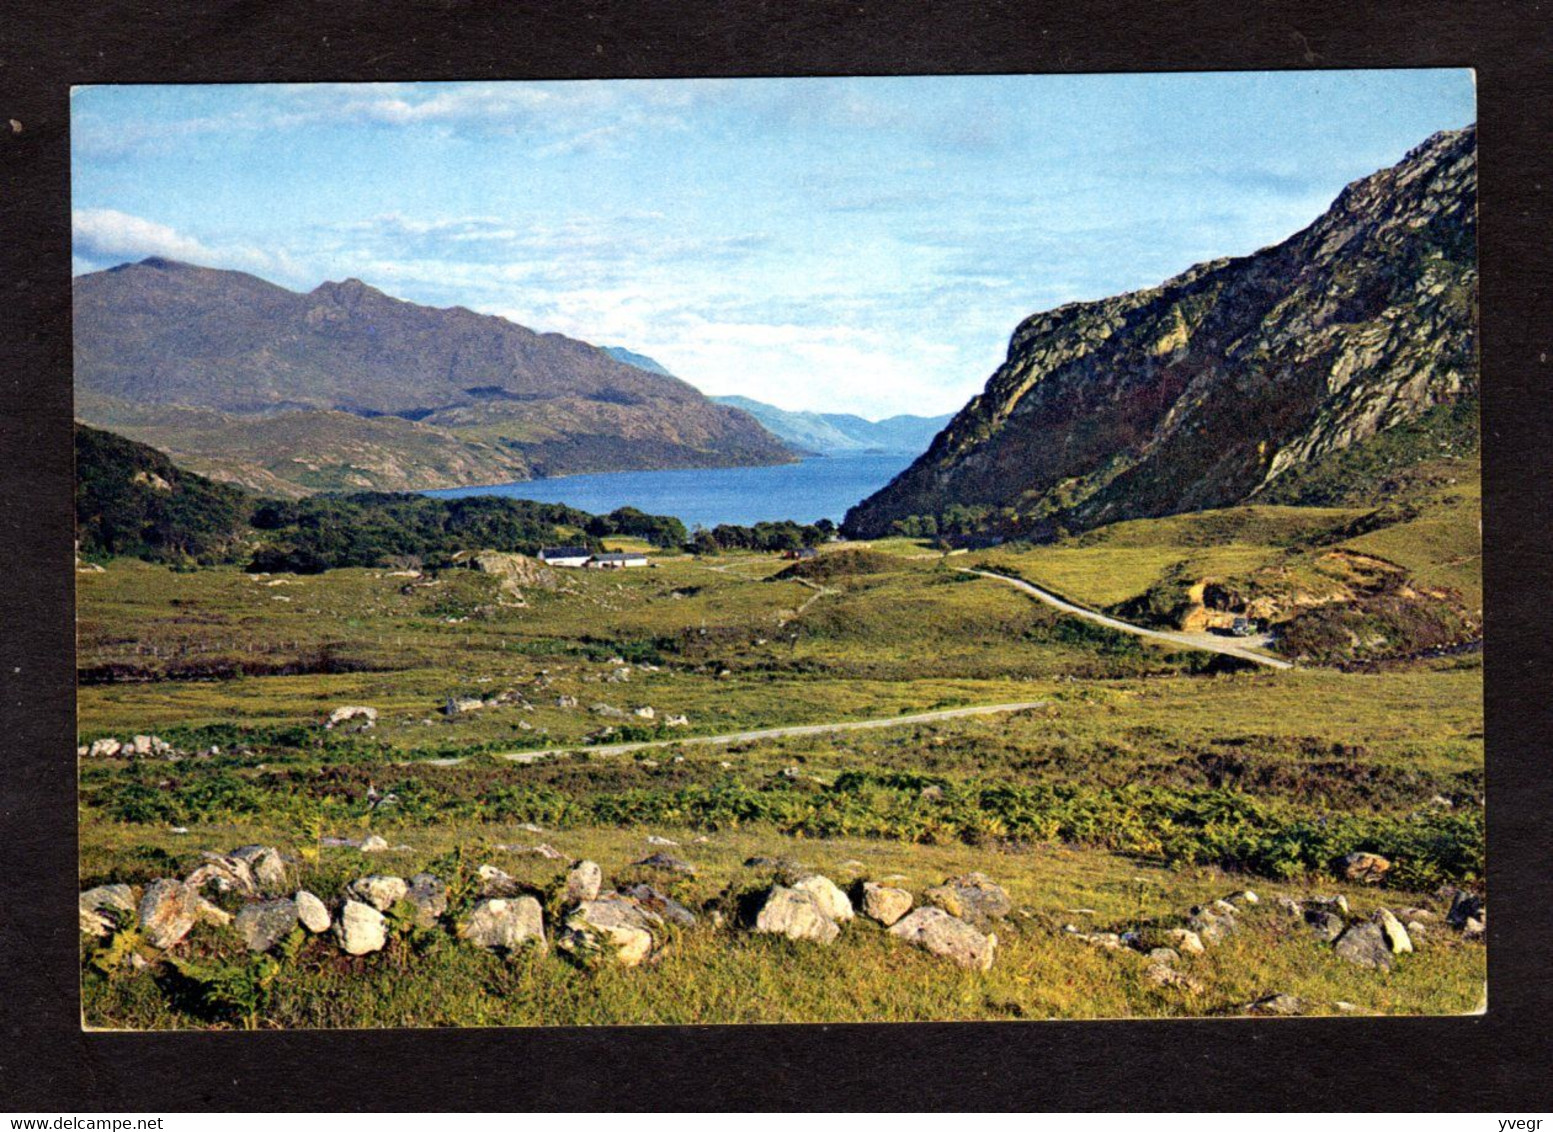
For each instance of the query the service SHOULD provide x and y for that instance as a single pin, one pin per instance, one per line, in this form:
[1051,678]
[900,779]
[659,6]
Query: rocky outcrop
[1203,391]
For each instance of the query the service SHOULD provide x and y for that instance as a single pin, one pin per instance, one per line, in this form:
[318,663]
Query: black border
[1499,1061]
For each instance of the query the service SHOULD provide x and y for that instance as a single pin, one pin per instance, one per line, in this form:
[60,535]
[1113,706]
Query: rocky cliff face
[160,334]
[1203,391]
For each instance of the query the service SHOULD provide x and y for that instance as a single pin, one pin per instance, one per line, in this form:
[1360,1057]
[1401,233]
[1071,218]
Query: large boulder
[381,892]
[265,924]
[796,915]
[884,904]
[973,898]
[583,882]
[372,843]
[311,911]
[360,928]
[936,931]
[104,749]
[831,900]
[1365,945]
[265,863]
[102,905]
[428,896]
[499,924]
[167,911]
[611,927]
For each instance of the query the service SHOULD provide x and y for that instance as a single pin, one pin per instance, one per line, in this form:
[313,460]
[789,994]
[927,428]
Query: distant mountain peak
[162,334]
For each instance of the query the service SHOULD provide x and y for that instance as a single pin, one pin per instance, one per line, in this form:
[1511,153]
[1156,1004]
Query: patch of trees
[132,500]
[663,531]
[369,528]
[783,535]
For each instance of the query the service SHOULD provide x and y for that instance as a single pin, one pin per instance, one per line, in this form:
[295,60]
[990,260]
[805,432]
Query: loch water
[822,487]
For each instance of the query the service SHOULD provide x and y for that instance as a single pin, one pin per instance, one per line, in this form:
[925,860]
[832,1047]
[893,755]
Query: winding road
[775,732]
[1205,641]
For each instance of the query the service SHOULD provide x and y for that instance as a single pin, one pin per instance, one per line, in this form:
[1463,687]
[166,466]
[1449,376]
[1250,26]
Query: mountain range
[832,434]
[818,434]
[353,389]
[1216,386]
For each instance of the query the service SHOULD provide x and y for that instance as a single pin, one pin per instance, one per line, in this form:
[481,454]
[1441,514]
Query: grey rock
[796,915]
[1327,925]
[973,898]
[1287,1005]
[667,863]
[613,926]
[311,912]
[884,904]
[207,913]
[225,873]
[381,892]
[665,907]
[1211,925]
[1365,944]
[583,883]
[1396,935]
[266,864]
[1466,906]
[360,928]
[1163,955]
[1164,975]
[428,896]
[1185,940]
[167,912]
[500,924]
[1338,904]
[831,900]
[373,844]
[265,924]
[497,882]
[948,937]
[101,906]
[365,717]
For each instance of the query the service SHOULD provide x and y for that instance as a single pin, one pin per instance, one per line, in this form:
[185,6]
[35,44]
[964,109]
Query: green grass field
[1148,779]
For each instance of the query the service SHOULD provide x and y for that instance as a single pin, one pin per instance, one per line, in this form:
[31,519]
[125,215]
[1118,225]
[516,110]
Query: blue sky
[861,245]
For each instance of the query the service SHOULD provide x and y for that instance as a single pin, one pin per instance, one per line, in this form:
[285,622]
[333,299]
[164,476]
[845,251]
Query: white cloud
[102,237]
